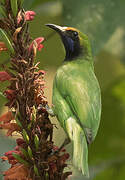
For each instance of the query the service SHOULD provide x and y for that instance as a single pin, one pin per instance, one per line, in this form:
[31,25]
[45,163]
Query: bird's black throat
[72,48]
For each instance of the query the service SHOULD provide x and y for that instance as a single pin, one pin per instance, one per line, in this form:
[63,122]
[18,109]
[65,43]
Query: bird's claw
[49,110]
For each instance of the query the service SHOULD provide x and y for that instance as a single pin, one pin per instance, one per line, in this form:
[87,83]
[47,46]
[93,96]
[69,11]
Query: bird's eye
[75,33]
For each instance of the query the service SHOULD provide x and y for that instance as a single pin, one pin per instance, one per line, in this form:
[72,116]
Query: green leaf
[3,99]
[34,114]
[36,170]
[30,152]
[20,159]
[19,123]
[6,41]
[47,175]
[33,118]
[25,136]
[18,119]
[29,125]
[14,7]
[36,141]
[1,94]
[24,152]
[2,11]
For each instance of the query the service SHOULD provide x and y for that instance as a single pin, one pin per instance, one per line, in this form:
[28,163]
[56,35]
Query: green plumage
[77,102]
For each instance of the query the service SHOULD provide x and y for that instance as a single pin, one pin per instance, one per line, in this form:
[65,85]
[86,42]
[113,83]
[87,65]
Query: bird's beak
[57,28]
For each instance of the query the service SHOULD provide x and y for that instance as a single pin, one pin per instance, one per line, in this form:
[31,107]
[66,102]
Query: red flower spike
[4,76]
[41,72]
[10,94]
[10,158]
[9,154]
[63,150]
[17,148]
[26,96]
[18,171]
[11,127]
[37,42]
[63,158]
[7,117]
[2,46]
[12,162]
[20,141]
[29,15]
[4,158]
[55,148]
[53,167]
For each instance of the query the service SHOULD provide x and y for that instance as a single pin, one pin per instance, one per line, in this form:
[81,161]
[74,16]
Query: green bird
[76,94]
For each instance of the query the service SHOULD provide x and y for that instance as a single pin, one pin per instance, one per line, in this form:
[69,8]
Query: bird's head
[75,42]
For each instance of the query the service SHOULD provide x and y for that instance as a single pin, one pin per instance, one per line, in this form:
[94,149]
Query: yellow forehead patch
[71,29]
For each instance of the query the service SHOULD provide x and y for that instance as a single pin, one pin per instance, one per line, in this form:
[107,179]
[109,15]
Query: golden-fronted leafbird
[76,94]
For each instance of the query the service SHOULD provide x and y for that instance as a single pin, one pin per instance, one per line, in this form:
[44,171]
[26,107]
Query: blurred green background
[103,21]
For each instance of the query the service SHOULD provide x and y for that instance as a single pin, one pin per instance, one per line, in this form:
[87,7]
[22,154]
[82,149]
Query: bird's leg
[66,142]
[49,110]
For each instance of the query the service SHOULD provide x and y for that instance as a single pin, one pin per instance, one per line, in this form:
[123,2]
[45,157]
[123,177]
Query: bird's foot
[88,134]
[49,110]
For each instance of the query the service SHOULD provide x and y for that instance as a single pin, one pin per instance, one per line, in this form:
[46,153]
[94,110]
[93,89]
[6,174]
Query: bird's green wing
[81,91]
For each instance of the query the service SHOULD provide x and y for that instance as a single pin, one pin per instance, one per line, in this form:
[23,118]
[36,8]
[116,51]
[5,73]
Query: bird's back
[77,84]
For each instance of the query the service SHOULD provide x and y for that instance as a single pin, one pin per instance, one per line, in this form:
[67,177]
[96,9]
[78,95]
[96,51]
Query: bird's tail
[80,149]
